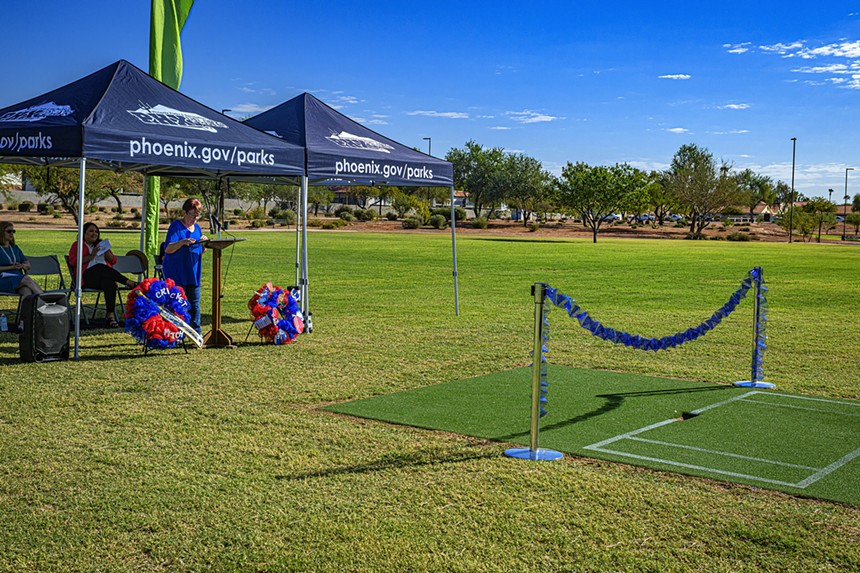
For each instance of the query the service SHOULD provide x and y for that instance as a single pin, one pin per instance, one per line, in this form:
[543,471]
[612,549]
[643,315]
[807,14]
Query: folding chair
[95,306]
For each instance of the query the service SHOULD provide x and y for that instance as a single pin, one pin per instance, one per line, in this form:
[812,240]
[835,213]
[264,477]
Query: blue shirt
[185,266]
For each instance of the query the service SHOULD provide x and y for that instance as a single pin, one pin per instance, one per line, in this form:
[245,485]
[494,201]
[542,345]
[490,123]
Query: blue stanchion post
[534,452]
[759,337]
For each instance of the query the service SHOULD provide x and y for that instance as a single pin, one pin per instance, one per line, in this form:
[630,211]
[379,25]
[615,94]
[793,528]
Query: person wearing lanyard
[183,256]
[14,266]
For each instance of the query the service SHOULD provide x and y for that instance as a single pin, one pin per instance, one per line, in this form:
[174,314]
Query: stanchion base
[529,454]
[752,384]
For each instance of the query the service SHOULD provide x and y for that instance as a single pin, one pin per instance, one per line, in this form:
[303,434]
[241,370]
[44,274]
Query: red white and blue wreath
[276,313]
[143,318]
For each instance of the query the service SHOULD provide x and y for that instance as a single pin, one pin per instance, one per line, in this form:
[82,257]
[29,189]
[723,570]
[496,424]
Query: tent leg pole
[79,263]
[143,217]
[454,249]
[298,237]
[309,325]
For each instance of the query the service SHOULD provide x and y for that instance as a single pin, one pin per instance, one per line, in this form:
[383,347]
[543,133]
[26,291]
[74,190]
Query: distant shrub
[365,214]
[99,209]
[438,221]
[533,226]
[343,209]
[391,216]
[347,216]
[237,212]
[258,223]
[12,205]
[459,213]
[42,208]
[135,210]
[412,223]
[479,223]
[257,213]
[718,238]
[316,222]
[118,217]
[57,215]
[25,206]
[744,229]
[743,237]
[329,225]
[283,216]
[680,225]
[116,224]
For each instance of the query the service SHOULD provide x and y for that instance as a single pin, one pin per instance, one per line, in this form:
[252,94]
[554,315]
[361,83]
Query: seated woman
[14,265]
[97,270]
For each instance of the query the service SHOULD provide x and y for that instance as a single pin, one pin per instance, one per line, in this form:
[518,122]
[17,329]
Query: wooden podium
[217,338]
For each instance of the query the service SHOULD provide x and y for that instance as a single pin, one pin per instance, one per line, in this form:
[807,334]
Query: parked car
[675,217]
[611,218]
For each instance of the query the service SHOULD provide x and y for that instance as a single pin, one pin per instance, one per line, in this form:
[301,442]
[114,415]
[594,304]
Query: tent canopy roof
[340,150]
[122,119]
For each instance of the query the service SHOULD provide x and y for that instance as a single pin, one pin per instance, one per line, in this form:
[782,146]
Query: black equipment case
[46,327]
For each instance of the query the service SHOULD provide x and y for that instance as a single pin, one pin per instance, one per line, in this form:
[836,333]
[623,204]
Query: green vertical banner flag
[167,18]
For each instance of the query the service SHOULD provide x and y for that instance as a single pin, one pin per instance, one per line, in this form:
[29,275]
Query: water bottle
[4,324]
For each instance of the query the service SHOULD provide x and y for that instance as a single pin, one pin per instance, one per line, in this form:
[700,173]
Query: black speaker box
[46,327]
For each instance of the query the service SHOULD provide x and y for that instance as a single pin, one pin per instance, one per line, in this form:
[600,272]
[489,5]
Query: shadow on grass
[409,460]
[613,402]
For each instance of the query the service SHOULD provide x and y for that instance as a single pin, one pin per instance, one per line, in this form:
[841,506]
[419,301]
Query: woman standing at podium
[183,256]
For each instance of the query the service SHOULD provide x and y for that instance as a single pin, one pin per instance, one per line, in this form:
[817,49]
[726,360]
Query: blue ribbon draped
[599,330]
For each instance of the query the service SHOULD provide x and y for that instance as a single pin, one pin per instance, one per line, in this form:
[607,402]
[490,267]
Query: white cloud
[250,108]
[448,114]
[370,121]
[741,48]
[500,128]
[646,165]
[780,48]
[735,106]
[730,132]
[675,77]
[837,50]
[264,91]
[678,130]
[528,116]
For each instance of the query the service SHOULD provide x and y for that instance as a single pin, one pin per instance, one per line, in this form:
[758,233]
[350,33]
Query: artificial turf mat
[797,444]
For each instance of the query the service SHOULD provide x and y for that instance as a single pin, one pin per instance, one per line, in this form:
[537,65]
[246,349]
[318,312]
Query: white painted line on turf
[808,398]
[778,405]
[829,469]
[724,402]
[726,454]
[694,467]
[819,473]
[599,445]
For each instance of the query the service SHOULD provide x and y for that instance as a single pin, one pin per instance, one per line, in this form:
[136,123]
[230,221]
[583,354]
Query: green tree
[821,211]
[702,188]
[593,192]
[855,204]
[320,197]
[527,186]
[403,202]
[477,173]
[854,219]
[110,184]
[755,189]
[61,185]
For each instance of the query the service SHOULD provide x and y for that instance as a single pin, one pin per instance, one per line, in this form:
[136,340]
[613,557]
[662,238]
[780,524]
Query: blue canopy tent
[121,119]
[340,151]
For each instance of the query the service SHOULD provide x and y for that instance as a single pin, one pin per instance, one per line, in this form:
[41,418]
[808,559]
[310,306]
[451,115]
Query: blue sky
[600,82]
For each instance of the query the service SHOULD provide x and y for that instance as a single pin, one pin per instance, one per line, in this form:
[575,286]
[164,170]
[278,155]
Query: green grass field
[224,460]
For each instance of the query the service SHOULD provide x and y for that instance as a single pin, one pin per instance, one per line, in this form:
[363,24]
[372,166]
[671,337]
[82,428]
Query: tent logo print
[38,112]
[169,117]
[348,140]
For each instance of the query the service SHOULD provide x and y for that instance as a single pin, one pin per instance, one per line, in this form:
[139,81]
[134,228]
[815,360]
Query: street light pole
[429,141]
[791,205]
[845,208]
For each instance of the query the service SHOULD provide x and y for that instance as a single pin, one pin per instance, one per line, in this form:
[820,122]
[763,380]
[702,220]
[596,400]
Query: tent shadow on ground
[613,402]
